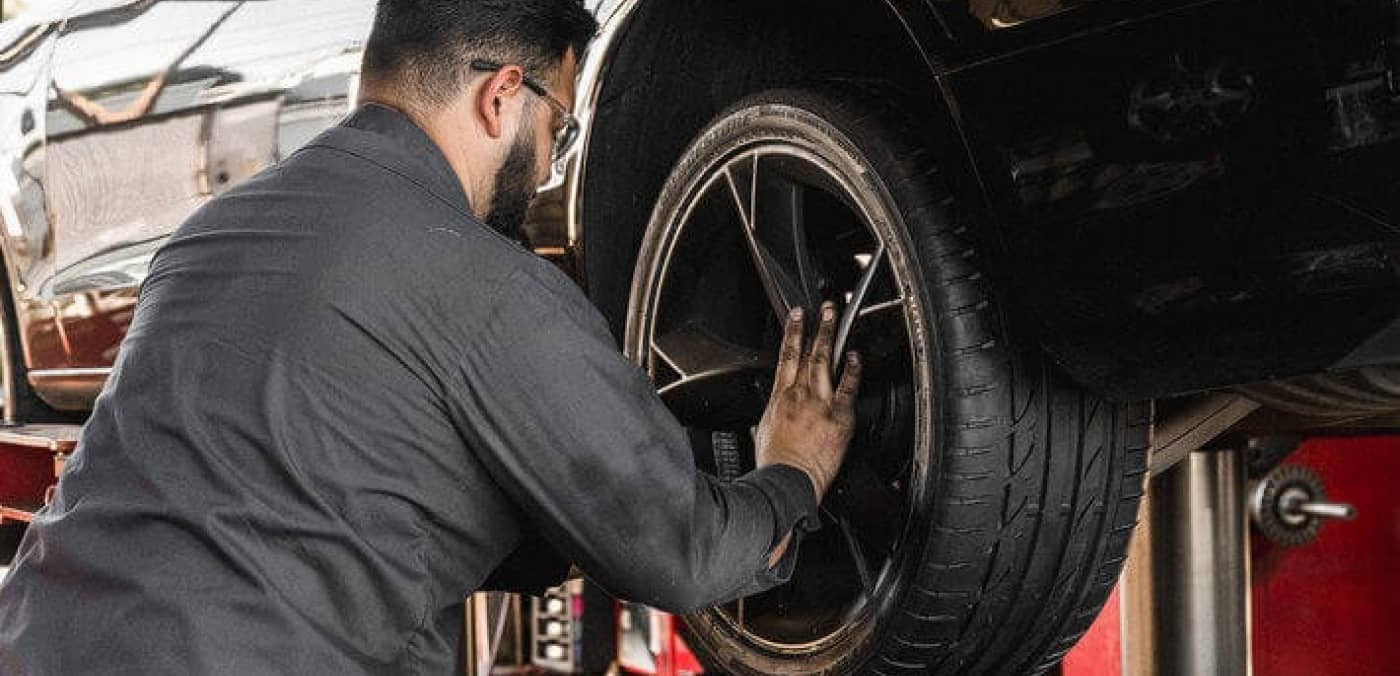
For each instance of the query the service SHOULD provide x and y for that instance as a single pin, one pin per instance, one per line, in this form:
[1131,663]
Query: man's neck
[440,128]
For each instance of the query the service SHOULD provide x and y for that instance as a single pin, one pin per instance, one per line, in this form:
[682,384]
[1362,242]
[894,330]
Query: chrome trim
[69,389]
[70,373]
[569,171]
[60,439]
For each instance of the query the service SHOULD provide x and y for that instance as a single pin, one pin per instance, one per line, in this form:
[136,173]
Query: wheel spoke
[855,305]
[878,331]
[856,551]
[720,383]
[864,498]
[782,288]
[780,222]
[884,306]
[693,351]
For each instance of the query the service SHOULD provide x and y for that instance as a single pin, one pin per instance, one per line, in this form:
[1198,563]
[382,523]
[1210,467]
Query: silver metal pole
[1328,510]
[1190,596]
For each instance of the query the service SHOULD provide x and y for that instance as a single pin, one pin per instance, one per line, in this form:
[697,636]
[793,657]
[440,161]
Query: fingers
[819,361]
[790,355]
[843,404]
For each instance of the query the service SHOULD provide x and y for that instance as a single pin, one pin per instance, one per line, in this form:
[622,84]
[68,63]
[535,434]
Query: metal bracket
[1194,427]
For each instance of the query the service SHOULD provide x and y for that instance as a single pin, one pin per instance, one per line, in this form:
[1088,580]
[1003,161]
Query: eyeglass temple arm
[491,66]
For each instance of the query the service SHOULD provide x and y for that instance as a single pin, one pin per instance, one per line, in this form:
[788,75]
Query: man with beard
[350,397]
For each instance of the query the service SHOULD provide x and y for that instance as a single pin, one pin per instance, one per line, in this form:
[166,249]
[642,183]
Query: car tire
[1030,485]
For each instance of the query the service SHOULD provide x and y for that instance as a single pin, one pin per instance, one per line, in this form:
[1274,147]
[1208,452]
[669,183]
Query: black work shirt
[342,404]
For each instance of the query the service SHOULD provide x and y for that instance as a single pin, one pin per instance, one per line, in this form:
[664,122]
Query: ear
[491,99]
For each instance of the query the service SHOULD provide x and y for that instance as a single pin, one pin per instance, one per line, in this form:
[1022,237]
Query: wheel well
[679,63]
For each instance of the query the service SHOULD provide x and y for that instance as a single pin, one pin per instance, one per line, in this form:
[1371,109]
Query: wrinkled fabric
[344,404]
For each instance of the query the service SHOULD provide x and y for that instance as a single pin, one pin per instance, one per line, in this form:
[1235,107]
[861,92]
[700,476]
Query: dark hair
[428,45]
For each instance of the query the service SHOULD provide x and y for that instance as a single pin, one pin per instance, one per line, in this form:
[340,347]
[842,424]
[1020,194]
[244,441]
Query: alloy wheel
[771,226]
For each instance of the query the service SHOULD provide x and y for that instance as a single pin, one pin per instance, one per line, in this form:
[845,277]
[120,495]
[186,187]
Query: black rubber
[1035,483]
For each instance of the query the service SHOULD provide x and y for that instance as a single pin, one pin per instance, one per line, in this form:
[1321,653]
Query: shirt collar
[418,158]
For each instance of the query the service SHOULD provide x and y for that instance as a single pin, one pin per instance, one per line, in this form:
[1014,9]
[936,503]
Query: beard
[514,190]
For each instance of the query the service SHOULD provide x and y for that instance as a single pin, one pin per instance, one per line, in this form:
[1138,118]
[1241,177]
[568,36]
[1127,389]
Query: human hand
[807,424]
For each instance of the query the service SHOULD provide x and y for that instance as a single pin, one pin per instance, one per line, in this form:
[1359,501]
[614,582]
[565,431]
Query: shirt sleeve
[532,568]
[575,433]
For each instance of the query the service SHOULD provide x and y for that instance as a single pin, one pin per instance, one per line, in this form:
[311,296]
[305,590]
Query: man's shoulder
[544,279]
[536,292]
[360,229]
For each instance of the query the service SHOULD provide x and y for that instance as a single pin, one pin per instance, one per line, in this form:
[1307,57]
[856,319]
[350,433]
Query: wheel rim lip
[891,237]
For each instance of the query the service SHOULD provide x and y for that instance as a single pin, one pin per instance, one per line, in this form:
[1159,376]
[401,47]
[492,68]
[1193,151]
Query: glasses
[566,132]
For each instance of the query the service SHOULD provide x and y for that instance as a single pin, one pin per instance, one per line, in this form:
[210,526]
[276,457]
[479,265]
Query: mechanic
[350,397]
